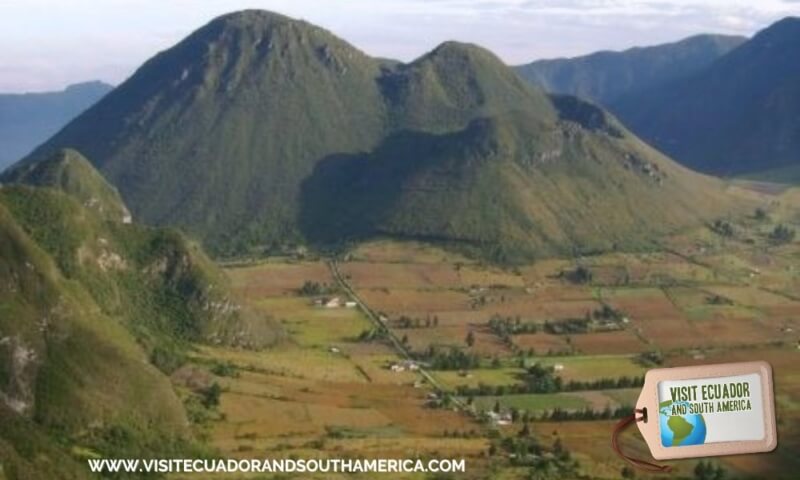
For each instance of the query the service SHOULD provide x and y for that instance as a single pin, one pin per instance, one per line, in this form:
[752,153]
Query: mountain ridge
[223,133]
[738,115]
[606,75]
[28,119]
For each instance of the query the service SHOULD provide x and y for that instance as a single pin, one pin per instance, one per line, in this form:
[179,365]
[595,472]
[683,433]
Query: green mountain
[69,171]
[28,119]
[606,76]
[510,186]
[94,313]
[260,130]
[739,115]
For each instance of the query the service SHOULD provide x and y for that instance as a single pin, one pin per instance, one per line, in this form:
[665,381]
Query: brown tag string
[636,462]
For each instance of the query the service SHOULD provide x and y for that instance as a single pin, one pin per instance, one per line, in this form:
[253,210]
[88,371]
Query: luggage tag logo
[703,411]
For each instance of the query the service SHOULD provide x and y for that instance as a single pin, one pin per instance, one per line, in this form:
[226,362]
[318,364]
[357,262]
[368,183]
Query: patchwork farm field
[323,389]
[405,349]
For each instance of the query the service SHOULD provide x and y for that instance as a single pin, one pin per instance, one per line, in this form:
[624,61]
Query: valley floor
[480,333]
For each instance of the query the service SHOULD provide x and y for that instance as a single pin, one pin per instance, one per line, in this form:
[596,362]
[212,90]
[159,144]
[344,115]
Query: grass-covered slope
[455,83]
[68,372]
[94,313]
[241,132]
[215,133]
[511,187]
[69,171]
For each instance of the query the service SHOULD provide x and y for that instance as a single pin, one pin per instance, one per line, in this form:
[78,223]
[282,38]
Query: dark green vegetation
[717,104]
[741,114]
[26,120]
[261,132]
[511,187]
[93,313]
[606,76]
[68,171]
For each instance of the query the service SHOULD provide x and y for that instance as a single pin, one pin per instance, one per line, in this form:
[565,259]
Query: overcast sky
[45,45]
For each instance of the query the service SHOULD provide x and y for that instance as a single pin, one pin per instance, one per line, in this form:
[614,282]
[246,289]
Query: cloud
[48,43]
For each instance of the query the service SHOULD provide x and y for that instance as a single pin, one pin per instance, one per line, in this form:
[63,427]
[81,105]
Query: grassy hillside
[242,131]
[69,371]
[495,189]
[95,313]
[214,134]
[69,171]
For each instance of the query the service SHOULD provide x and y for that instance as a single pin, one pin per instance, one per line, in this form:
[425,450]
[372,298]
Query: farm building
[500,418]
[405,365]
[334,302]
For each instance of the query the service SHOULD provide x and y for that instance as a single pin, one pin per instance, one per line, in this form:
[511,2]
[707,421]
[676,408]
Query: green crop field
[580,367]
[533,402]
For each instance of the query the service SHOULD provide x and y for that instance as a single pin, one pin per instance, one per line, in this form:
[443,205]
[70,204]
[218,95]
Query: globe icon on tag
[680,430]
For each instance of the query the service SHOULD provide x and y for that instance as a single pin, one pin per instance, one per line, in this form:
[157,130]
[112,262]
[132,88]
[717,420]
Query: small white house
[505,419]
[350,304]
[558,367]
[334,302]
[409,365]
[500,418]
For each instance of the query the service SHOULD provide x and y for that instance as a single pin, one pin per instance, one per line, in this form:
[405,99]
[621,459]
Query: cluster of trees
[311,289]
[461,434]
[607,312]
[545,463]
[225,369]
[606,383]
[605,318]
[581,275]
[549,383]
[708,471]
[373,334]
[718,300]
[540,379]
[209,396]
[586,414]
[405,322]
[651,358]
[568,326]
[722,228]
[782,234]
[507,326]
[449,359]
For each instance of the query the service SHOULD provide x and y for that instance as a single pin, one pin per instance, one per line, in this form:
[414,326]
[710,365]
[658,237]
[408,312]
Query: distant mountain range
[258,130]
[28,119]
[716,104]
[606,76]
